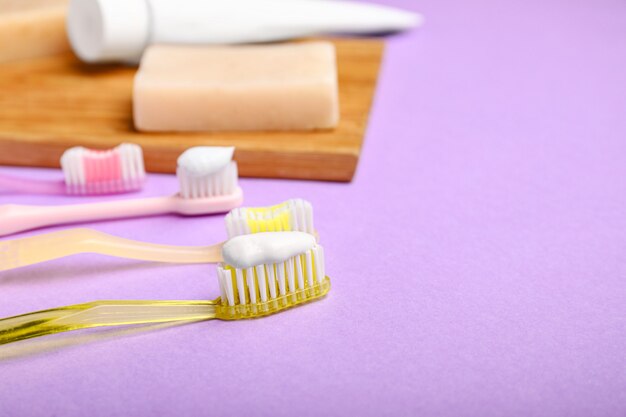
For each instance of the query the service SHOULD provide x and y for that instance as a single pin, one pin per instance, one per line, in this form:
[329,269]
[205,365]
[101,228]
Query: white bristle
[262,280]
[250,282]
[318,263]
[116,170]
[300,214]
[241,288]
[131,158]
[290,274]
[282,287]
[271,280]
[221,274]
[73,168]
[222,182]
[308,265]
[207,171]
[263,283]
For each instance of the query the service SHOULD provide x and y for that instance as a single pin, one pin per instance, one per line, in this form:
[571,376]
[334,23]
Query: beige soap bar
[235,88]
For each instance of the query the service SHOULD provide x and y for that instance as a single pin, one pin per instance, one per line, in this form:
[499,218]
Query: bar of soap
[237,88]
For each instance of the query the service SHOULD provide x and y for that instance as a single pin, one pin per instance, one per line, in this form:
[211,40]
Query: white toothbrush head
[207,171]
[116,170]
[292,215]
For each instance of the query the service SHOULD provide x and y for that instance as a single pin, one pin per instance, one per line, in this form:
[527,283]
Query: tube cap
[108,30]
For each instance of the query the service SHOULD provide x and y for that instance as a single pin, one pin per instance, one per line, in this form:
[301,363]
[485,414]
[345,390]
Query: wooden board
[32,28]
[50,104]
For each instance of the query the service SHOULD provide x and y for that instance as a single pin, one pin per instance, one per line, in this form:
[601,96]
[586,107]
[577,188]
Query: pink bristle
[103,172]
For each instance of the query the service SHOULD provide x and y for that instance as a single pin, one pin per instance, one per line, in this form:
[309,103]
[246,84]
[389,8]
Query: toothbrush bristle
[292,215]
[222,182]
[265,289]
[116,170]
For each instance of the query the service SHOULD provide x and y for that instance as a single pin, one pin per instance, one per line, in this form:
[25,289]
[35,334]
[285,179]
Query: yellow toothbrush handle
[35,249]
[102,313]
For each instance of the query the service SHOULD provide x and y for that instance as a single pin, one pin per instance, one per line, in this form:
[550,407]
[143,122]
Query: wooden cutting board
[32,28]
[50,104]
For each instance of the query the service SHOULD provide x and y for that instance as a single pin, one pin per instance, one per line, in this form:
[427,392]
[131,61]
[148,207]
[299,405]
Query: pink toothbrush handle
[30,186]
[17,218]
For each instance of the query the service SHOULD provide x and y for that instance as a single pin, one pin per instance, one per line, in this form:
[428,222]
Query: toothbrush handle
[27,185]
[36,249]
[102,313]
[17,218]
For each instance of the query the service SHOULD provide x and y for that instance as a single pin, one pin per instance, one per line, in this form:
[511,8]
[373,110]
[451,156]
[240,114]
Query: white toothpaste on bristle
[206,160]
[207,171]
[265,248]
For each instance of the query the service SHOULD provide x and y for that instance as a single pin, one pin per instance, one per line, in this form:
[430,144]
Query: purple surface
[478,259]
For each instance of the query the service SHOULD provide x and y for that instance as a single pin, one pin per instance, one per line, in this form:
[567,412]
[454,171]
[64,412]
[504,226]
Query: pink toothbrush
[208,184]
[86,171]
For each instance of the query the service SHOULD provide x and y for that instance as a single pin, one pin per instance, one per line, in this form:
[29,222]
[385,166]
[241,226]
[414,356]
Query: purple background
[478,258]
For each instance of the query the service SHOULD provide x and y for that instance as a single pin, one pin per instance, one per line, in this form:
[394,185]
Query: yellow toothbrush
[250,289]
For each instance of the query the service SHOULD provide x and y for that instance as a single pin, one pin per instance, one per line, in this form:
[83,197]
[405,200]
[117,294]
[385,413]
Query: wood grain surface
[50,104]
[32,28]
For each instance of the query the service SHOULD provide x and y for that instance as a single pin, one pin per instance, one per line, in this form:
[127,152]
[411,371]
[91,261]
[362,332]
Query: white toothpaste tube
[120,30]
